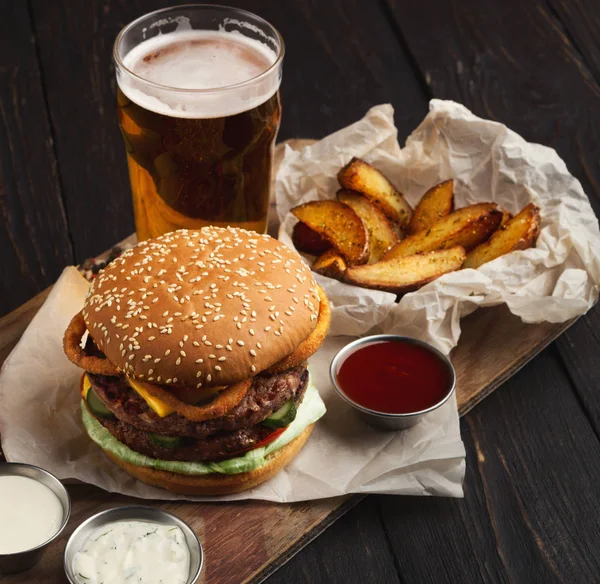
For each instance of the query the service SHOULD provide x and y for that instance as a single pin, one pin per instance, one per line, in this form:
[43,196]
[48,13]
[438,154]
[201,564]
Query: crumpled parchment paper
[555,281]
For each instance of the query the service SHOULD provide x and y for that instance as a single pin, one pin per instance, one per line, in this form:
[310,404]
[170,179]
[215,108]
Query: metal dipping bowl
[21,561]
[133,513]
[383,420]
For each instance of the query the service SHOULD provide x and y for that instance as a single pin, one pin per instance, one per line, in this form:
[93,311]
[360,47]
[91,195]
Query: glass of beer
[199,110]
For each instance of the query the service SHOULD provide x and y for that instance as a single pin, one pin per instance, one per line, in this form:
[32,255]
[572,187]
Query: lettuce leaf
[311,409]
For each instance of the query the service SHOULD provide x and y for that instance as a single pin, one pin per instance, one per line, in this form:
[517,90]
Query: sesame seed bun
[202,308]
[216,483]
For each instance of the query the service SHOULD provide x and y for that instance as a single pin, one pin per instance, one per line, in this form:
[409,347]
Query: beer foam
[199,60]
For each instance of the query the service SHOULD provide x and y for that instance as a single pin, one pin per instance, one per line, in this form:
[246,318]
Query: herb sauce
[133,551]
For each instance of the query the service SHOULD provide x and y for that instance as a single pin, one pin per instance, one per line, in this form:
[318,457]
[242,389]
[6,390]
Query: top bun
[202,308]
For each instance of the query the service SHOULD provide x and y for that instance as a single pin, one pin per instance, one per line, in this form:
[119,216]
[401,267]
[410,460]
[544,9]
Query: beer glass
[199,111]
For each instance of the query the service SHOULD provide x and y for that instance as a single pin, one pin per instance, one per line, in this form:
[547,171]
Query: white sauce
[30,514]
[133,551]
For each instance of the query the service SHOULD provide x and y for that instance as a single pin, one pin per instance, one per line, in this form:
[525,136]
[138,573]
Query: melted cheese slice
[159,406]
[85,386]
[186,395]
[156,404]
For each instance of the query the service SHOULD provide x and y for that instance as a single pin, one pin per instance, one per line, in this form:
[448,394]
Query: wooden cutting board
[247,541]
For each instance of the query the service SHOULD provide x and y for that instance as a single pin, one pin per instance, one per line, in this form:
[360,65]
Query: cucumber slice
[164,440]
[283,417]
[97,406]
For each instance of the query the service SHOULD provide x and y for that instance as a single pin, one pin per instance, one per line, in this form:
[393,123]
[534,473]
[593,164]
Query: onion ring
[310,344]
[226,400]
[78,356]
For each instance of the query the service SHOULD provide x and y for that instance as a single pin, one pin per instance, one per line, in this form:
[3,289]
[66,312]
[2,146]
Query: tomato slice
[263,442]
[269,438]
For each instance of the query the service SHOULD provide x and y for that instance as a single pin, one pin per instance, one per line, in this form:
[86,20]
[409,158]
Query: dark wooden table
[531,511]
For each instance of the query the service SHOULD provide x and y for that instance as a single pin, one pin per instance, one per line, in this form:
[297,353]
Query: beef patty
[217,446]
[266,395]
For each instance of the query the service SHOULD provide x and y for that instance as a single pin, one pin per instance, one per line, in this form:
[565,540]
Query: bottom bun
[216,483]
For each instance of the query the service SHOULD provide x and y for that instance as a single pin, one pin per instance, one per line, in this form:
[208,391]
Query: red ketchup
[394,377]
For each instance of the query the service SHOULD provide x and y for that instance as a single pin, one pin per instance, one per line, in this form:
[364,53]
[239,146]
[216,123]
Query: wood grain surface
[31,208]
[531,509]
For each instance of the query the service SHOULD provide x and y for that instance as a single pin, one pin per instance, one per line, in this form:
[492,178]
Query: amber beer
[199,112]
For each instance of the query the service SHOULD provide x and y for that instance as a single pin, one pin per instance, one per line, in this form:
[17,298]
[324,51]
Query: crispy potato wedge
[404,274]
[467,227]
[434,205]
[308,241]
[330,264]
[338,224]
[520,232]
[506,217]
[381,233]
[360,176]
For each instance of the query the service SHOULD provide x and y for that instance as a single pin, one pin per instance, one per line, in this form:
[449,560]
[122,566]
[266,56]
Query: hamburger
[194,347]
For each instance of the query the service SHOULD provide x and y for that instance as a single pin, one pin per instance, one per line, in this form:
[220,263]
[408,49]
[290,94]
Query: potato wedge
[467,227]
[360,176]
[330,264]
[506,217]
[308,241]
[339,225]
[404,274]
[520,232]
[381,233]
[434,205]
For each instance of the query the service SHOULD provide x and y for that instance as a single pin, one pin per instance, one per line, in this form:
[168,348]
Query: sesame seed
[199,361]
[182,353]
[253,352]
[217,368]
[222,359]
[178,362]
[240,343]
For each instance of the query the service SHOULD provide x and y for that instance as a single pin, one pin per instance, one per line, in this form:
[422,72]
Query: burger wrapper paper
[40,416]
[40,423]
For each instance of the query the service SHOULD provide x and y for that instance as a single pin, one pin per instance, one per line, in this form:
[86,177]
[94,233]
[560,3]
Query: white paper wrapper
[40,423]
[554,282]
